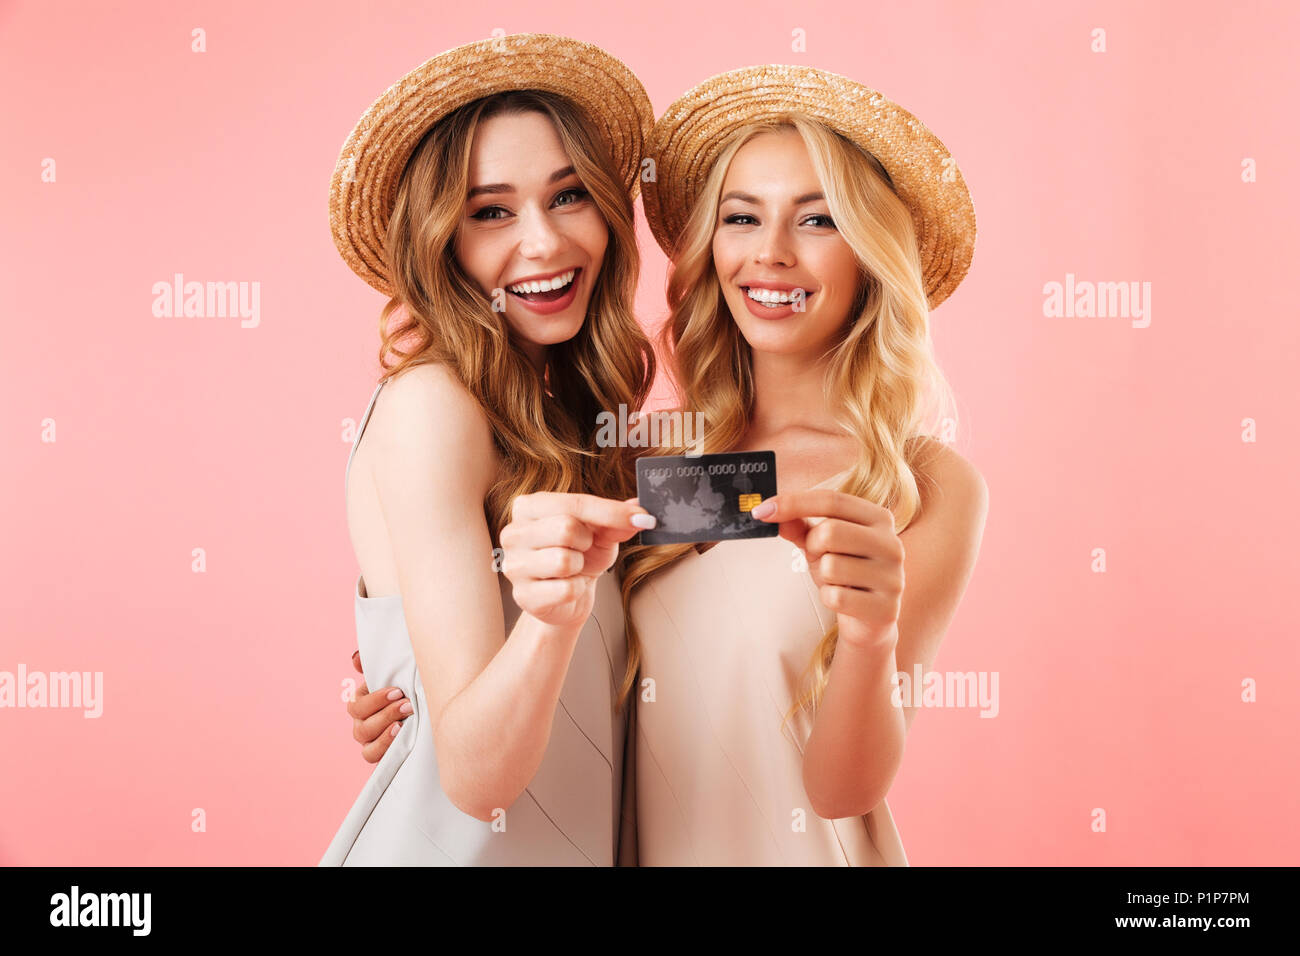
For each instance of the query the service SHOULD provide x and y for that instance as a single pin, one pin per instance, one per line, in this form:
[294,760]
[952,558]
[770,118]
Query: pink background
[222,690]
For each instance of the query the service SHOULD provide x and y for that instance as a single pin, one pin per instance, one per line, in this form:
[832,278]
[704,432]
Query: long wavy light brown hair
[881,376]
[544,426]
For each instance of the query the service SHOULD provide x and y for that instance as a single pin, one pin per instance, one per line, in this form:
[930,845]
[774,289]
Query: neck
[789,392]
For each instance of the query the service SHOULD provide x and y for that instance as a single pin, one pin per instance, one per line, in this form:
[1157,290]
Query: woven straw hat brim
[688,137]
[363,189]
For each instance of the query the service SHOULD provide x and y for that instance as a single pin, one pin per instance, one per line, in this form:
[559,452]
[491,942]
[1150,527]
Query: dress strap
[356,440]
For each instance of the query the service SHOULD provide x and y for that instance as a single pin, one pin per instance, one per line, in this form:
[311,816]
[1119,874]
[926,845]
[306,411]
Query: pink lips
[548,306]
[766,312]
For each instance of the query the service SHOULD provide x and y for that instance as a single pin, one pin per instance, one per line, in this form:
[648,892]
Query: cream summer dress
[725,636]
[569,815]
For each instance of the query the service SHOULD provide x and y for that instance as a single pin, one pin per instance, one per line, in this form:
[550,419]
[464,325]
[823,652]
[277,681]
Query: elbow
[482,797]
[474,801]
[464,786]
[479,811]
[839,806]
[838,810]
[477,785]
[834,794]
[845,798]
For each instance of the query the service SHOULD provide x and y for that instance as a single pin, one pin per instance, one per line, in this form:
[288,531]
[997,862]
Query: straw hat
[687,139]
[363,189]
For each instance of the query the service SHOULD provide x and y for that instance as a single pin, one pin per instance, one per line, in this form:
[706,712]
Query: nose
[773,247]
[539,238]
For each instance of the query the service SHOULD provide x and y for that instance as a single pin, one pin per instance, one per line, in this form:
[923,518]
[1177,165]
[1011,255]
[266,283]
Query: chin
[783,339]
[777,345]
[550,333]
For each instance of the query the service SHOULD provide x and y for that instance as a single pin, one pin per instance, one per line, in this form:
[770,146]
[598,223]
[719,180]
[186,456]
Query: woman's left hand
[854,557]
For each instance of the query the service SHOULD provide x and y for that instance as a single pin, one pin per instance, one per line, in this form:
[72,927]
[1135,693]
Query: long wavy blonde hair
[881,375]
[544,426]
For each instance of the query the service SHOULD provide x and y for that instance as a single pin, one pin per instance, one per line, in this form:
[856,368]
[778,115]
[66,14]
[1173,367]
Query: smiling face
[530,228]
[775,236]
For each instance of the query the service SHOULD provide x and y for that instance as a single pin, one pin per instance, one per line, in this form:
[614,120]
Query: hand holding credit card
[706,498]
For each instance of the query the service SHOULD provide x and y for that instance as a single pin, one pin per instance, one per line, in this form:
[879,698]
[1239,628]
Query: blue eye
[735,219]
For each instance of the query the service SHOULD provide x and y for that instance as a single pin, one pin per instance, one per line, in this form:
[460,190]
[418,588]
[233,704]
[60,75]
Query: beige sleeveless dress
[725,636]
[569,815]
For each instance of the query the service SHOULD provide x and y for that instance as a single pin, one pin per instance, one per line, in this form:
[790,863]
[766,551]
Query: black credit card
[706,498]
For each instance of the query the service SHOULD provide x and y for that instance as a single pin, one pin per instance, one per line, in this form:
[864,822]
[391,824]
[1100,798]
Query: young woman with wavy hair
[804,273]
[497,179]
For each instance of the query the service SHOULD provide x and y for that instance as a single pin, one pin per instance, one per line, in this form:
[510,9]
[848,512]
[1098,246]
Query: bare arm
[893,605]
[491,698]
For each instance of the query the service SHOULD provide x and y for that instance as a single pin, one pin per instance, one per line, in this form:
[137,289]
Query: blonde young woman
[812,225]
[489,193]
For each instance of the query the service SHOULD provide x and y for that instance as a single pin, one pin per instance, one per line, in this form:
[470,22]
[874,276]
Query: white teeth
[545,285]
[771,296]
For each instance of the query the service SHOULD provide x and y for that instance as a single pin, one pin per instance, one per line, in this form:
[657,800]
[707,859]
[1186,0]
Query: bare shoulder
[948,482]
[428,391]
[424,414]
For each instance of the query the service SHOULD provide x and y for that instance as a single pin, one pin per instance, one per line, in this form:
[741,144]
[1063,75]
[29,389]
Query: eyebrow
[753,200]
[555,177]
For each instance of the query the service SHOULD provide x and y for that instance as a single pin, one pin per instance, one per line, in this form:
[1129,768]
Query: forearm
[492,736]
[856,744]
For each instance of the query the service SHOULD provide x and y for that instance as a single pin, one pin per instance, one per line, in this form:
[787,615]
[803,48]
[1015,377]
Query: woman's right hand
[376,718]
[558,544]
